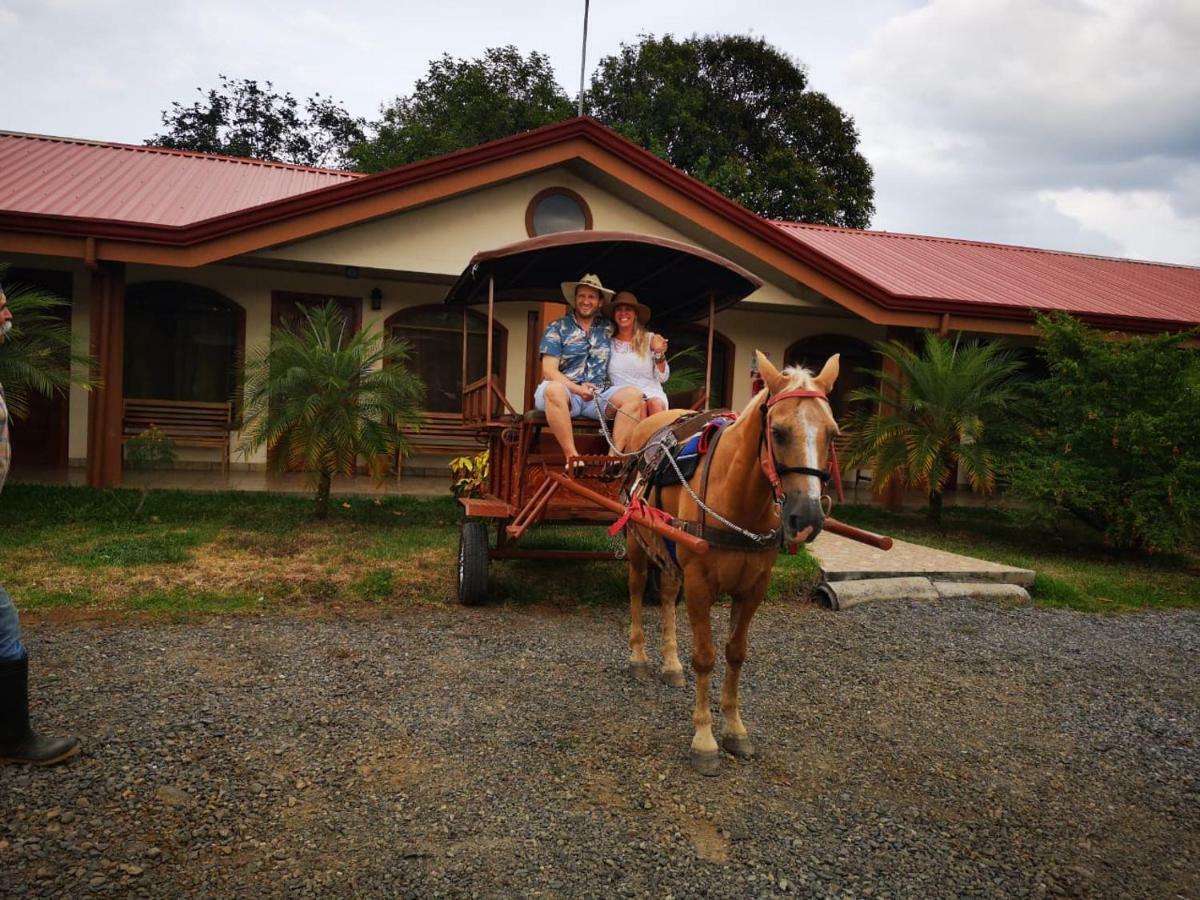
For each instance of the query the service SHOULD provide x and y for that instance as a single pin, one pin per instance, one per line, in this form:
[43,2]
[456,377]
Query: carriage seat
[537,417]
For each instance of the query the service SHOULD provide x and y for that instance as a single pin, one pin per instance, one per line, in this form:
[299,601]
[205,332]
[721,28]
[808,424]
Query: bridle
[766,451]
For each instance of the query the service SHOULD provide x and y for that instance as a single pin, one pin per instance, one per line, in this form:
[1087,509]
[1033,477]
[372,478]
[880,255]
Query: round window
[555,210]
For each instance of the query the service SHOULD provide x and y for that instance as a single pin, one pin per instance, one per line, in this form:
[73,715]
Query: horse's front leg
[668,594]
[639,666]
[745,603]
[705,756]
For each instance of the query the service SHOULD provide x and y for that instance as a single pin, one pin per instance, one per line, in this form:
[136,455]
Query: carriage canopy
[675,280]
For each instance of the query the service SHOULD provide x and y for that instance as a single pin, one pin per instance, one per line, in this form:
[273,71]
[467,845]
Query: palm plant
[319,398]
[38,355]
[932,411]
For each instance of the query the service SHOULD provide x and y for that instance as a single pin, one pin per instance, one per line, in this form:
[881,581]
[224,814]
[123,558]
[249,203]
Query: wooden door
[40,440]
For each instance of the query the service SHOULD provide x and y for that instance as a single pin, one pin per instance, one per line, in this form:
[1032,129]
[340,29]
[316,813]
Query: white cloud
[1144,224]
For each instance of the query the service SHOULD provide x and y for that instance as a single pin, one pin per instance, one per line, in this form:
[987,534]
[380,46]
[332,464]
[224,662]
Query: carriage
[526,482]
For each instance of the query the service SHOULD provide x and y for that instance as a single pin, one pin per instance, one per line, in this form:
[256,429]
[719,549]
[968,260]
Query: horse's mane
[799,379]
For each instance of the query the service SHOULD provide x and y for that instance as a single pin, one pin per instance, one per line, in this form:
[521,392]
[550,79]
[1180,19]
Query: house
[176,263]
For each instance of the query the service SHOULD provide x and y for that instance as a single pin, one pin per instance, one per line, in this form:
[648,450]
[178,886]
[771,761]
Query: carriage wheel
[473,564]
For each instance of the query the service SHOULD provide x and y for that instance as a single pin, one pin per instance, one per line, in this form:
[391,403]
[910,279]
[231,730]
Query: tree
[737,114]
[942,408]
[244,118]
[464,102]
[319,399]
[38,354]
[1117,442]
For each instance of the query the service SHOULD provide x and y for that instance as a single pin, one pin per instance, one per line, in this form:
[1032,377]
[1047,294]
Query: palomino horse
[793,453]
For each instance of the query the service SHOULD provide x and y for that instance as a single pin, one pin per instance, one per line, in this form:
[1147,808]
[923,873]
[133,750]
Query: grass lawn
[1073,569]
[185,553]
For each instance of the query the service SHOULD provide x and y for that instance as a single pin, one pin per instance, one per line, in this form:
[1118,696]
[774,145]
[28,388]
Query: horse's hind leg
[669,585]
[734,738]
[639,666]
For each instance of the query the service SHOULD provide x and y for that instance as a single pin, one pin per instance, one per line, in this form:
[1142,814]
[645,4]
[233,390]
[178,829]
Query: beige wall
[443,237]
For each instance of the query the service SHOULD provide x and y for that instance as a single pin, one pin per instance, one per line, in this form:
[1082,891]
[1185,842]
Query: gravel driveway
[905,750]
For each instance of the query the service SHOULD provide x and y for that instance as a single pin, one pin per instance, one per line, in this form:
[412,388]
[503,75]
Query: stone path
[842,559]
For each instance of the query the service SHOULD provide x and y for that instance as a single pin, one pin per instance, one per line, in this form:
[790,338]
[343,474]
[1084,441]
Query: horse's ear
[775,382]
[829,373]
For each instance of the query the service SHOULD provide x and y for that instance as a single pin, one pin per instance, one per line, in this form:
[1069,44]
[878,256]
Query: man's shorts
[580,408]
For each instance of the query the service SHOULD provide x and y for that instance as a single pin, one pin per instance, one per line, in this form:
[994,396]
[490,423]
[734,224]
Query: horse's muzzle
[801,513]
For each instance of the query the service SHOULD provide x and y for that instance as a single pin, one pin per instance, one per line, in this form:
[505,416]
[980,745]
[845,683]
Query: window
[182,342]
[814,352]
[557,209]
[696,336]
[434,336]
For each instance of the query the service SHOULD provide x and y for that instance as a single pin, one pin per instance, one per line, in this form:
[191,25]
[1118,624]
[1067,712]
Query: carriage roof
[674,279]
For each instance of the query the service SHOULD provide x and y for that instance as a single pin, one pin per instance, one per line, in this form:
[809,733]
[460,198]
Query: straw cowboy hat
[626,298]
[589,280]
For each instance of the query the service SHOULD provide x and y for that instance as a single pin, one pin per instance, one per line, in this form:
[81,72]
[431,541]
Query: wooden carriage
[526,485]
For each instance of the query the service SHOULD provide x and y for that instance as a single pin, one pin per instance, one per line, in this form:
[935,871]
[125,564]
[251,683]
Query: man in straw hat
[575,352]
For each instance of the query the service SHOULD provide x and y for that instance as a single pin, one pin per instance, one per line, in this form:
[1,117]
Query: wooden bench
[187,423]
[441,433]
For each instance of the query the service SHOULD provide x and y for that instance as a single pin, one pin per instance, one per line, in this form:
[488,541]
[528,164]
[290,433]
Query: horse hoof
[640,671]
[739,745]
[708,764]
[674,678]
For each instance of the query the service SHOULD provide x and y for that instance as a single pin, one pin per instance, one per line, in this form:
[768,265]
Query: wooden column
[106,402]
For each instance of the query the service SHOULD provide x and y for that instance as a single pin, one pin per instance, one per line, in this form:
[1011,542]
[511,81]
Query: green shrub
[151,449]
[1117,441]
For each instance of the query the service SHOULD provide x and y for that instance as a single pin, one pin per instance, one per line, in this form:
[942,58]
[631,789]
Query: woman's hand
[658,343]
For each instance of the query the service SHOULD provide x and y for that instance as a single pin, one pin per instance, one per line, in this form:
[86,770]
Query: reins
[766,454]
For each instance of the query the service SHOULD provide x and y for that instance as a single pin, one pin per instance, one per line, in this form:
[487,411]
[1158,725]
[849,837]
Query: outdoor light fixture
[351,271]
[376,299]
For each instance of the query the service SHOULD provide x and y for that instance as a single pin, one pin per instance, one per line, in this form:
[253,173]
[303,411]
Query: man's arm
[550,372]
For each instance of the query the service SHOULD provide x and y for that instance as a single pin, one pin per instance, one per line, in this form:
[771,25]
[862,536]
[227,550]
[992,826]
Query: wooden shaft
[693,543]
[883,542]
[491,313]
[464,362]
[712,315]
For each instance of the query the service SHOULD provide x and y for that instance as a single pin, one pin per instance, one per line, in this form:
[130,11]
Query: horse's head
[798,434]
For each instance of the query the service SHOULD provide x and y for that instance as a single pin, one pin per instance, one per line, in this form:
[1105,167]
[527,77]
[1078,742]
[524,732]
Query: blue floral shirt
[582,355]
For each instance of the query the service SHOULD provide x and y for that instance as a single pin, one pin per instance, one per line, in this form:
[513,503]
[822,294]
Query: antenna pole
[583,54]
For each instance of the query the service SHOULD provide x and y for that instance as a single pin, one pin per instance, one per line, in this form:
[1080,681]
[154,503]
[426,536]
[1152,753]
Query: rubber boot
[18,742]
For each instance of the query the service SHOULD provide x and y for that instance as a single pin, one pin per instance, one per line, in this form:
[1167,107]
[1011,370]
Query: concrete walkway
[855,573]
[842,559]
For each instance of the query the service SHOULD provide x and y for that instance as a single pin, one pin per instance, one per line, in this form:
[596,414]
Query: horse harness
[668,461]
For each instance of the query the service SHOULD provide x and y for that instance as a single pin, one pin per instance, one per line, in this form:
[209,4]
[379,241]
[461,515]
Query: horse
[769,482]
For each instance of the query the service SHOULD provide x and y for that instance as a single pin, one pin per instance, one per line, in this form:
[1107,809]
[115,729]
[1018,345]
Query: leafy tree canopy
[737,113]
[1118,441]
[242,117]
[464,102]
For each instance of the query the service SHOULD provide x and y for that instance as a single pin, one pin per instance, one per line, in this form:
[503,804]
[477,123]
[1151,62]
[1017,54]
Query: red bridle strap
[767,457]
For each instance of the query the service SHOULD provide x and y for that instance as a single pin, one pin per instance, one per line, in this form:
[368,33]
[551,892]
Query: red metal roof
[972,276]
[150,185]
[175,198]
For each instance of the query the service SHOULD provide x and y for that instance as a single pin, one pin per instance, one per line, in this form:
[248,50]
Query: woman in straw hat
[639,357]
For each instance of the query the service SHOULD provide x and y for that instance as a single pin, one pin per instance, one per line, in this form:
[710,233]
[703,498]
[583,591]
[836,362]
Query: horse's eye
[779,435]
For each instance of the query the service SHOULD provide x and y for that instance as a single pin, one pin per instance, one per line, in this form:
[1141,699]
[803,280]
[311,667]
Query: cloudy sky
[1068,124]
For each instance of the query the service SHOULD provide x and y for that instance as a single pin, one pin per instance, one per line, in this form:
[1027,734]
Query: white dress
[627,369]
